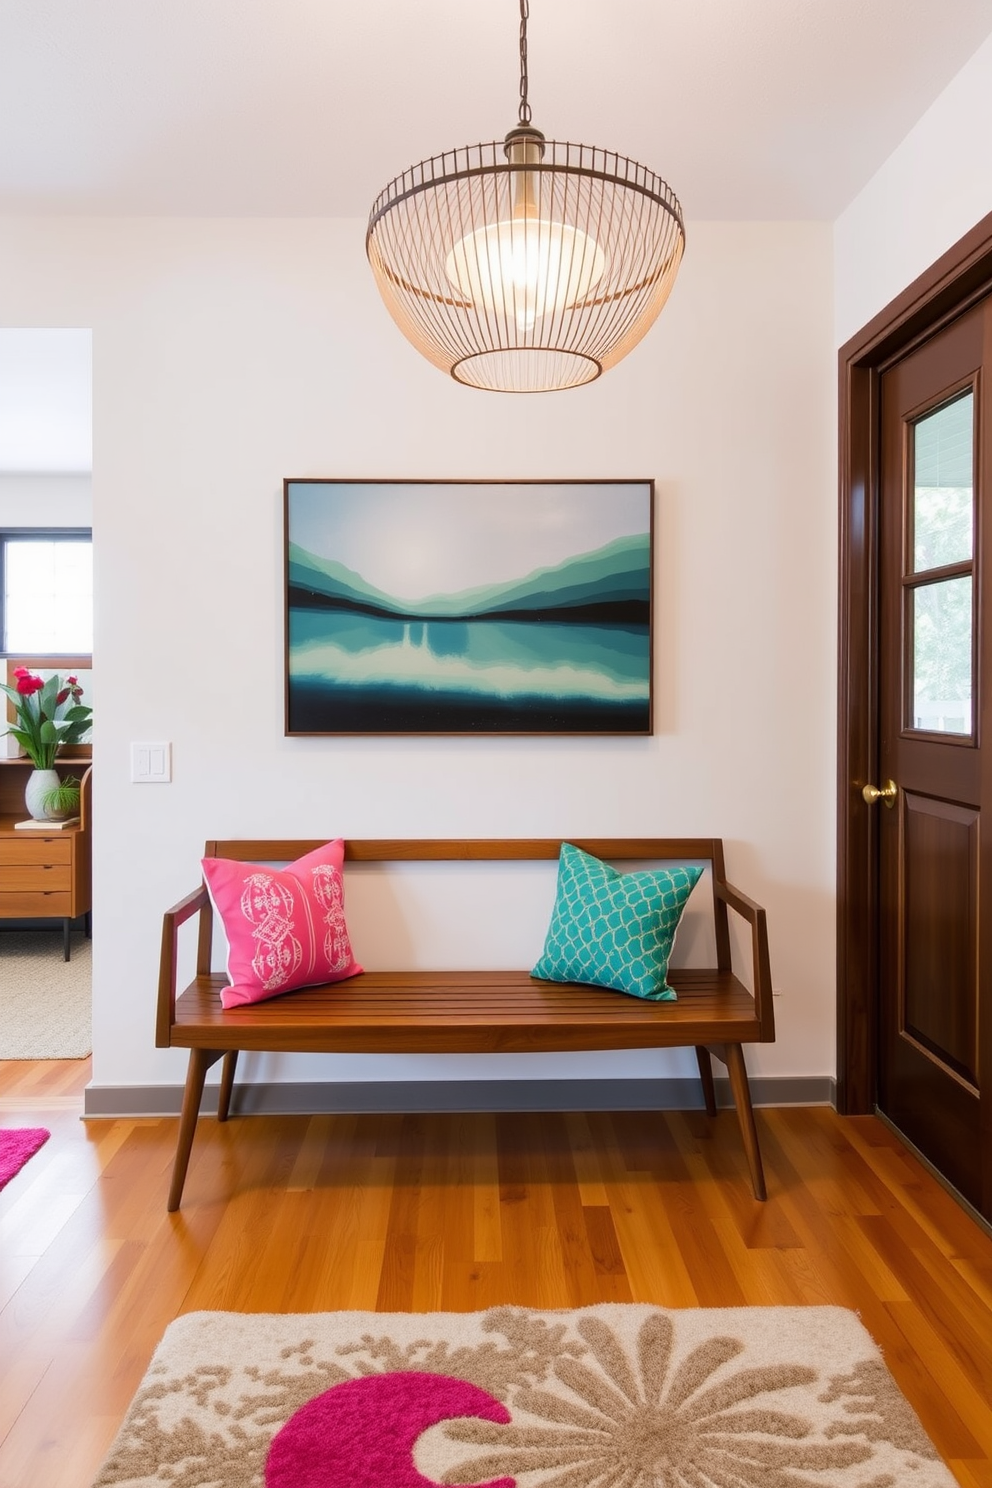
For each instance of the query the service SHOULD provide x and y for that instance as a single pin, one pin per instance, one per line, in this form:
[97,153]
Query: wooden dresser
[44,874]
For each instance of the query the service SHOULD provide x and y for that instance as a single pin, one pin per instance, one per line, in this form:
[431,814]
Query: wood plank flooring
[460,1212]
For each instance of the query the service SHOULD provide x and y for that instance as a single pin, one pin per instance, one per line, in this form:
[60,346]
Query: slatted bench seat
[457,1012]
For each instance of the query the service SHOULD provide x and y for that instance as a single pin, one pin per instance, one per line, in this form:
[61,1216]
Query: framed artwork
[489,607]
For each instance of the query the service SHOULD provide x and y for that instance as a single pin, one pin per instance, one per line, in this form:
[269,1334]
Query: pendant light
[528,265]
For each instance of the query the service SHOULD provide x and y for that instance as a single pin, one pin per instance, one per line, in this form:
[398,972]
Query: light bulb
[525,267]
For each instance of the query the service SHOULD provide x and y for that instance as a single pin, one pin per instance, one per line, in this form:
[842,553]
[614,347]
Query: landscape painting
[420,607]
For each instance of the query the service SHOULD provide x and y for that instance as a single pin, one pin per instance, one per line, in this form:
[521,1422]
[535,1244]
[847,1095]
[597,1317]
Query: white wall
[229,354]
[927,195]
[31,500]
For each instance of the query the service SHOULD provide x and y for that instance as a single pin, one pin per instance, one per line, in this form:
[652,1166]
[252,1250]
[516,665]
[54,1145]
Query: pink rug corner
[17,1144]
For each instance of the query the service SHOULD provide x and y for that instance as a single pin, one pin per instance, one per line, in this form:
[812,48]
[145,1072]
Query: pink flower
[60,697]
[26,684]
[71,681]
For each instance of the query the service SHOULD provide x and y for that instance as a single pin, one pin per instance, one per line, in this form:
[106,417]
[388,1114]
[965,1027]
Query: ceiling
[748,108]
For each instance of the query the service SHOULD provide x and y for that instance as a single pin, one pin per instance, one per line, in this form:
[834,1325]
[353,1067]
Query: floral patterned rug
[613,1396]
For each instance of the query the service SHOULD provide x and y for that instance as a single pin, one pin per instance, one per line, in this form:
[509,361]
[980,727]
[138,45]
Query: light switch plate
[151,764]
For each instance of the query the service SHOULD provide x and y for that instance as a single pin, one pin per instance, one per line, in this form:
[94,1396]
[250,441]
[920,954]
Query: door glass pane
[943,467]
[942,656]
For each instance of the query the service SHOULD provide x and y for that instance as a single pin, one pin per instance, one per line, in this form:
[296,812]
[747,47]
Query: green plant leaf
[75,732]
[30,745]
[63,799]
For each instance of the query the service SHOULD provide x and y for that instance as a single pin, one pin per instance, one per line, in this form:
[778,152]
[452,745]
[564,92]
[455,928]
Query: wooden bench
[427,1012]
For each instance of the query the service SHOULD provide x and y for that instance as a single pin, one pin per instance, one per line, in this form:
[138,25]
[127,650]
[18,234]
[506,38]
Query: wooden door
[935,753]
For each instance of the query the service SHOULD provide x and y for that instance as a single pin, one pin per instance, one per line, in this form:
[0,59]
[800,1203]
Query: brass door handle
[887,794]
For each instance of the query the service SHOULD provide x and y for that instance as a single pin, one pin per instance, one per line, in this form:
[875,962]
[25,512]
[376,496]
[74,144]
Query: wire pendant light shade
[525,265]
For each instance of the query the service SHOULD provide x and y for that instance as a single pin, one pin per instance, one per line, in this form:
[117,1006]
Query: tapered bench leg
[226,1084]
[200,1061]
[737,1070]
[706,1076]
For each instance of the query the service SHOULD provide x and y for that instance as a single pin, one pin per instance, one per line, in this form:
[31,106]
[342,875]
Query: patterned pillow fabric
[285,927]
[614,929]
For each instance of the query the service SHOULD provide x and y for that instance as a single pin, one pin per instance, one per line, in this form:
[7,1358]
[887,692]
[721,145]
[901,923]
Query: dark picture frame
[474,607]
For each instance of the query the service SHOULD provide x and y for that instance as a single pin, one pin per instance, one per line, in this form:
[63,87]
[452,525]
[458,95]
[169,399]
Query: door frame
[961,277]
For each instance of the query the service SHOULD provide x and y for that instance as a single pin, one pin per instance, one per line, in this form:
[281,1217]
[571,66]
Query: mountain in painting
[612,581]
[318,582]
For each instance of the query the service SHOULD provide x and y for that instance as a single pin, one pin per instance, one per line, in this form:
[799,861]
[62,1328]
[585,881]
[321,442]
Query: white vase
[40,783]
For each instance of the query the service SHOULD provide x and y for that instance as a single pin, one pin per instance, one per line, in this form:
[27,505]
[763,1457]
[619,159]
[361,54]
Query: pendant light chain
[524,115]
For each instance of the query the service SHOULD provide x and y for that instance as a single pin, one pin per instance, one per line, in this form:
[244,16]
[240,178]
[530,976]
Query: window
[46,592]
[941,588]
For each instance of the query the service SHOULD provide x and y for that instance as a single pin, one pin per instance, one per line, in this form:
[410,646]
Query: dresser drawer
[34,850]
[17,904]
[36,878]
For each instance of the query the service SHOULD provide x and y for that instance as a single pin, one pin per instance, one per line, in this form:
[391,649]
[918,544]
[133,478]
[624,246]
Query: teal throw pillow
[614,929]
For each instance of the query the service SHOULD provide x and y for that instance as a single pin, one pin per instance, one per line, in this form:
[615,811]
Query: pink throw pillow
[285,927]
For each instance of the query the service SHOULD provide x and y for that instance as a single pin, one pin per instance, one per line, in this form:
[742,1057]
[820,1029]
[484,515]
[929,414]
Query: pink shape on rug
[17,1144]
[361,1434]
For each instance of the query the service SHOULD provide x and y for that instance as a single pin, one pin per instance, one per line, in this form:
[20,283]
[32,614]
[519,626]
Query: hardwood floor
[459,1212]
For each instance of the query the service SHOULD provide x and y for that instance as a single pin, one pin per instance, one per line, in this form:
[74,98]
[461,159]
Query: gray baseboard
[314,1098]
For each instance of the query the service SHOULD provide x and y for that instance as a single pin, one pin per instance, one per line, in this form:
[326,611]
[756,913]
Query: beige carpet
[604,1397]
[44,1001]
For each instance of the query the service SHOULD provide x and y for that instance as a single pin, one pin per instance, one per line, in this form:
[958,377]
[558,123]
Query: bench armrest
[753,913]
[195,903]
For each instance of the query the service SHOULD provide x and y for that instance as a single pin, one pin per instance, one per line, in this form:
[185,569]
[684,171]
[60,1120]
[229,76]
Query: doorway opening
[46,441]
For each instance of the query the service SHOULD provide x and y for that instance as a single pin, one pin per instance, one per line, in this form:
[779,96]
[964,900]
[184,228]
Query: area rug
[613,1396]
[45,1002]
[17,1144]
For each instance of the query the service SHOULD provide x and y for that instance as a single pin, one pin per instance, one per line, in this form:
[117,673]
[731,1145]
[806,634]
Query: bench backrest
[485,849]
[706,850]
